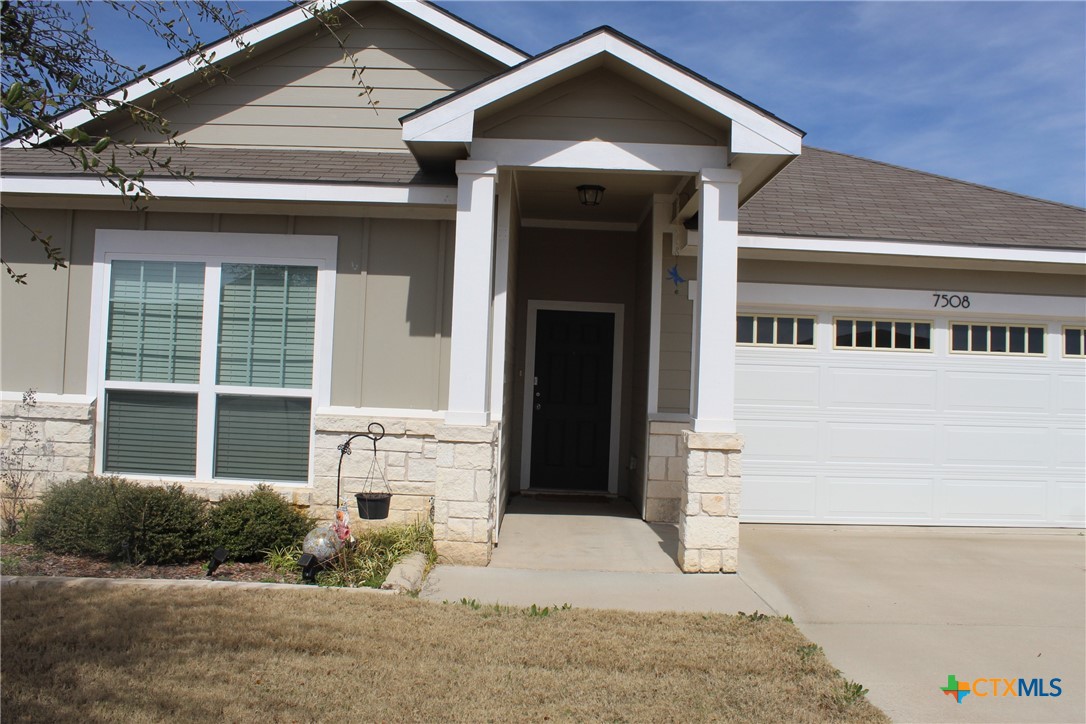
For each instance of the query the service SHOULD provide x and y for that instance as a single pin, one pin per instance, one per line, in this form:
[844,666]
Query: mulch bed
[21,559]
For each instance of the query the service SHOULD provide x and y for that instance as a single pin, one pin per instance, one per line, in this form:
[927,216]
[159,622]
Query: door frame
[534,306]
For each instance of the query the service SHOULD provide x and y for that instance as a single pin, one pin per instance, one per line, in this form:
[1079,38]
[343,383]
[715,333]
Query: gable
[600,105]
[302,95]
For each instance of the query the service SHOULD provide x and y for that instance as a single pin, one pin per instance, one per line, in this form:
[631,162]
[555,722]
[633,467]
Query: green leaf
[102,144]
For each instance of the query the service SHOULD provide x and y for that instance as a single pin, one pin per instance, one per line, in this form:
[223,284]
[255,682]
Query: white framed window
[766,330]
[1009,339]
[882,334]
[1074,341]
[210,352]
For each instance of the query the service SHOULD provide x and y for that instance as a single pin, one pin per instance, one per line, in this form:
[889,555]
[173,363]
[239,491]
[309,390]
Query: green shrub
[77,516]
[249,525]
[160,525]
[120,520]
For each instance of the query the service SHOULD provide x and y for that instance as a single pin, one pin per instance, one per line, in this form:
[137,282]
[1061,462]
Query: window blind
[266,325]
[155,316]
[262,438]
[150,432]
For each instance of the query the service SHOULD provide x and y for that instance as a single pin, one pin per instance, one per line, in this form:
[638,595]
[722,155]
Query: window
[210,368]
[770,331]
[997,339]
[882,334]
[1074,342]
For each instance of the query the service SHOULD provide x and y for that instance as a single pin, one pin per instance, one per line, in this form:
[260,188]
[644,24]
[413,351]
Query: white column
[472,275]
[714,332]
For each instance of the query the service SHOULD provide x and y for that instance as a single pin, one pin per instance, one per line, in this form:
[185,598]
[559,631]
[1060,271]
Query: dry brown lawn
[136,654]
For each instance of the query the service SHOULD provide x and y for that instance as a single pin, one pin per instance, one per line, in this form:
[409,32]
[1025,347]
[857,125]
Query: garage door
[911,416]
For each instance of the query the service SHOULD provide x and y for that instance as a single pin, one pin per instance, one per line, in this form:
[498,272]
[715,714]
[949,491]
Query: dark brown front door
[571,405]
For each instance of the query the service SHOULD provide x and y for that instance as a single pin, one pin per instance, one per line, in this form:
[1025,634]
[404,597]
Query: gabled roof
[832,195]
[182,70]
[753,128]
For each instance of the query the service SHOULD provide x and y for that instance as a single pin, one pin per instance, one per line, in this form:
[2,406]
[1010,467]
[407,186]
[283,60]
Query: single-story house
[742,328]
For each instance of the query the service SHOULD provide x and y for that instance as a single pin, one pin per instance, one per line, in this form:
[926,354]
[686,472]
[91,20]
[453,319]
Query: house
[743,328]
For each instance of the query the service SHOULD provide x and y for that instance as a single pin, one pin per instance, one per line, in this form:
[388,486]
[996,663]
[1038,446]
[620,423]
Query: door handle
[538,406]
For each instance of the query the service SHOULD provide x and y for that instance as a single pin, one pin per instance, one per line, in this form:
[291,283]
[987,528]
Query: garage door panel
[790,496]
[875,497]
[1071,449]
[881,442]
[1069,502]
[1071,395]
[777,385]
[785,441]
[997,446]
[995,501]
[849,387]
[997,392]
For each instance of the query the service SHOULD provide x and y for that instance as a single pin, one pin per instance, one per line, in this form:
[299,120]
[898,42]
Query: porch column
[713,376]
[471,304]
[709,516]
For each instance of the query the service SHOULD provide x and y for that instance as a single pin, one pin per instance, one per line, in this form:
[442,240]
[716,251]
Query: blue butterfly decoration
[673,275]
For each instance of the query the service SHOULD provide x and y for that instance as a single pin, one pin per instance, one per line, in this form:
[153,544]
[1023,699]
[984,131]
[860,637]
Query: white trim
[461,31]
[213,249]
[599,155]
[174,188]
[393,412]
[908,248]
[760,133]
[500,304]
[624,226]
[983,305]
[618,310]
[265,29]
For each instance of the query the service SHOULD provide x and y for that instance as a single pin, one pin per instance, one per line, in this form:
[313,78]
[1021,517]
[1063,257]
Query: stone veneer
[446,471]
[663,497]
[64,448]
[709,524]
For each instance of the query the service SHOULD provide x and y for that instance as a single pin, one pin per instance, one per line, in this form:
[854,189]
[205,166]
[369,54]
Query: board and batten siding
[392,311]
[600,105]
[302,95]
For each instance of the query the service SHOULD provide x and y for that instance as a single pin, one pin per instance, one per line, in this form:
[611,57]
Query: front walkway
[589,534]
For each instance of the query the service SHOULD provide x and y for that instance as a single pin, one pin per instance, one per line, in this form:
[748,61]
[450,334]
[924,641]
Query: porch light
[590,194]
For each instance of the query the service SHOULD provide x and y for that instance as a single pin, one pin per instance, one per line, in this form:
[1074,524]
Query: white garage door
[909,415]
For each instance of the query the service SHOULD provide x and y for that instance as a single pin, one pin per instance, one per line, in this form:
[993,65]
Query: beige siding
[392,311]
[676,325]
[640,352]
[404,314]
[599,105]
[304,95]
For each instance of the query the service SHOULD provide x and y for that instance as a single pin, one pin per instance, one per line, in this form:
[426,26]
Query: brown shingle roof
[834,195]
[252,164]
[821,194]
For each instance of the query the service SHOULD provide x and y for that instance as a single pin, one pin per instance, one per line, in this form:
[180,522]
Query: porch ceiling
[551,196]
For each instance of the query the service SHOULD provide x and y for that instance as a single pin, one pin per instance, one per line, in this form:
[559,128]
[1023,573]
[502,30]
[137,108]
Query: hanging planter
[373,501]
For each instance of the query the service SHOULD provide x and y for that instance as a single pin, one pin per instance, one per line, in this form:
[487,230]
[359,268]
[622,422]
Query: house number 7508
[955,301]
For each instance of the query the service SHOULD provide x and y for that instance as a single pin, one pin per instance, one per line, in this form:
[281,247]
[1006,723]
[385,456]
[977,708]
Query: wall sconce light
[590,194]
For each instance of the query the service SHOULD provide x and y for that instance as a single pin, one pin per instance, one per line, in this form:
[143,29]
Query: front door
[571,400]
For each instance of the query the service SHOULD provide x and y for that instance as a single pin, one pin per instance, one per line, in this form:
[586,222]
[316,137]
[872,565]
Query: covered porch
[595,338]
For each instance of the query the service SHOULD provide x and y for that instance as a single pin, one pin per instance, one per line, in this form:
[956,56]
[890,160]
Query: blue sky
[988,92]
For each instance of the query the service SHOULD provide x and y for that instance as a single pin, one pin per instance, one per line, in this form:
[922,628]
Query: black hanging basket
[373,506]
[373,501]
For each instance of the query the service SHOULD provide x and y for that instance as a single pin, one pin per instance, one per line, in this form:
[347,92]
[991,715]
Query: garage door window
[1074,342]
[772,331]
[997,339]
[897,335]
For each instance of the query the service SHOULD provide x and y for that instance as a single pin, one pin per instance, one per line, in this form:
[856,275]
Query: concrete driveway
[900,609]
